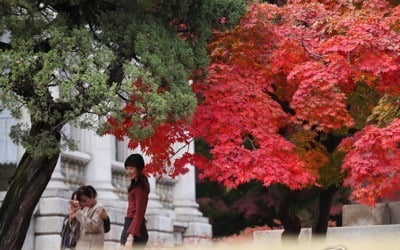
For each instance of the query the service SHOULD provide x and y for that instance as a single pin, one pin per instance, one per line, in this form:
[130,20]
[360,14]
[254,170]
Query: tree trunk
[290,222]
[31,178]
[322,214]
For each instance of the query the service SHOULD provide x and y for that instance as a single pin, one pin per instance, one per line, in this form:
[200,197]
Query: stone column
[185,195]
[159,222]
[188,215]
[57,178]
[98,171]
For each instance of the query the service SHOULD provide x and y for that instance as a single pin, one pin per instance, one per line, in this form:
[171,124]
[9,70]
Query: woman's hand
[73,208]
[102,214]
[71,213]
[74,204]
[129,243]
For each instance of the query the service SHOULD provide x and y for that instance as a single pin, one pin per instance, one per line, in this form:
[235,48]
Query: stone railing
[380,214]
[164,189]
[119,179]
[73,164]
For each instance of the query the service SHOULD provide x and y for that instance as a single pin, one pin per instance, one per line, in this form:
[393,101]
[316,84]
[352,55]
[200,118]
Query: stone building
[172,214]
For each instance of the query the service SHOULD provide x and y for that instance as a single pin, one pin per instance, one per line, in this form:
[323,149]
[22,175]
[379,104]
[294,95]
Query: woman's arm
[104,216]
[141,198]
[92,224]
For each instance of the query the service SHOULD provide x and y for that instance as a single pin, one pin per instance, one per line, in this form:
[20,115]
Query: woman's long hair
[136,160]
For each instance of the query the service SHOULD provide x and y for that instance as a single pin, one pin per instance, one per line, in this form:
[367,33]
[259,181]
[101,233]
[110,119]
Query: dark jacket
[69,233]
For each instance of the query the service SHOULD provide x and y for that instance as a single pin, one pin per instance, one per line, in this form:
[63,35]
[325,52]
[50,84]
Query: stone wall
[380,214]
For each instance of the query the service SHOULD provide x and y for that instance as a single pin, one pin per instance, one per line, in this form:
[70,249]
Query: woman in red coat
[135,231]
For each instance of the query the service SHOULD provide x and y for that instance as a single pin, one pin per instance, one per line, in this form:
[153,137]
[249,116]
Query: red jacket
[137,204]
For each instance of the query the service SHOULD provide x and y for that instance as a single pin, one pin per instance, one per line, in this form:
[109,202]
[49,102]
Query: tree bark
[290,222]
[27,185]
[323,208]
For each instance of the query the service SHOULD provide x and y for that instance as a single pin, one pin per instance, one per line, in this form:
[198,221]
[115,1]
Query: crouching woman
[87,212]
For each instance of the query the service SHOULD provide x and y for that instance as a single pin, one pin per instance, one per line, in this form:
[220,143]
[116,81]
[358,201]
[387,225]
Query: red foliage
[284,70]
[160,146]
[307,54]
[373,162]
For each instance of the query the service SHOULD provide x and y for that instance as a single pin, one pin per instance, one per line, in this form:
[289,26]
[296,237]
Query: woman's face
[132,172]
[85,201]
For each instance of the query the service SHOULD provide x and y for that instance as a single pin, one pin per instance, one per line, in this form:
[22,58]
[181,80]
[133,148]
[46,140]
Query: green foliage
[394,2]
[361,102]
[387,109]
[62,59]
[202,148]
[330,173]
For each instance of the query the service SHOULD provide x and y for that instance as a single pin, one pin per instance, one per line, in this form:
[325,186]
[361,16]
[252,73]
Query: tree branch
[284,105]
[179,149]
[313,54]
[250,140]
[117,75]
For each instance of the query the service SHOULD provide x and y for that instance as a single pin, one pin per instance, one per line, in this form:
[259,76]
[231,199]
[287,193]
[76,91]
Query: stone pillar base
[194,228]
[47,220]
[160,229]
[47,242]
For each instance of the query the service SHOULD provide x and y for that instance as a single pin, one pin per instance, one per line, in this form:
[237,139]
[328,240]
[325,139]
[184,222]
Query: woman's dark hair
[75,193]
[87,190]
[136,160]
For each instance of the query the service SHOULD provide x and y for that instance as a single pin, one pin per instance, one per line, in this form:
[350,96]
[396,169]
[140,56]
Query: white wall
[8,150]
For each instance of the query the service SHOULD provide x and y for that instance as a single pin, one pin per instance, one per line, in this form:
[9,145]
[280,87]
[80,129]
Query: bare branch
[251,142]
[179,149]
[313,54]
[349,56]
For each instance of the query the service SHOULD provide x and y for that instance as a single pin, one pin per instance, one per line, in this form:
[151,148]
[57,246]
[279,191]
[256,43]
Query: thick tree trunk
[322,214]
[25,190]
[284,198]
[26,187]
[290,222]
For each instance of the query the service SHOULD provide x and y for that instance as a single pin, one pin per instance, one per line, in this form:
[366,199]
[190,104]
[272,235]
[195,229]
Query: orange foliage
[284,71]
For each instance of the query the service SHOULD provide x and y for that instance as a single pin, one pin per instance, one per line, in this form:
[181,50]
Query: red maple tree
[288,76]
[281,92]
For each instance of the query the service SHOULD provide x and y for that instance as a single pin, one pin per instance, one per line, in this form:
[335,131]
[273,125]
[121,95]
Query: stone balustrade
[119,179]
[73,165]
[164,189]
